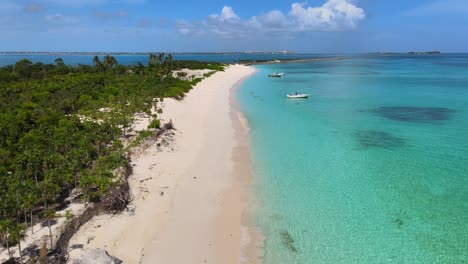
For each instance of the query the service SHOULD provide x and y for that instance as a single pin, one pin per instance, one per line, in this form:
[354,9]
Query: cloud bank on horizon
[333,15]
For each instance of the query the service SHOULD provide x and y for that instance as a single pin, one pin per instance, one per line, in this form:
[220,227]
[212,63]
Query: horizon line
[215,52]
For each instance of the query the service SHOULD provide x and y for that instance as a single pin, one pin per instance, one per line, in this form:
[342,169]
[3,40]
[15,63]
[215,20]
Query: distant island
[258,62]
[424,52]
[411,53]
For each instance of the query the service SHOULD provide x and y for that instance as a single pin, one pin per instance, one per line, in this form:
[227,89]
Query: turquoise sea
[372,168]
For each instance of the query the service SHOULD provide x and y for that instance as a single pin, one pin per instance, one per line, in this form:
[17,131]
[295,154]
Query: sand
[39,234]
[190,189]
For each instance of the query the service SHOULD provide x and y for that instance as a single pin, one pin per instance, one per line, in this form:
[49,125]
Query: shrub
[155,123]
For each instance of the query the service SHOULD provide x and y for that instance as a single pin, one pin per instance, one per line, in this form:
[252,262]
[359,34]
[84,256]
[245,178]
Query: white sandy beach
[189,193]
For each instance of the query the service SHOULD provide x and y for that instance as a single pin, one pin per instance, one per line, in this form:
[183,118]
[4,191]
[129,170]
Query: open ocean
[372,168]
[126,59]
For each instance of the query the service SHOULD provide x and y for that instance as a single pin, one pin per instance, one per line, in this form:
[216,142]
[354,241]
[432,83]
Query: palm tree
[161,57]
[49,214]
[59,61]
[5,234]
[114,61]
[109,62]
[168,61]
[152,60]
[29,199]
[18,233]
[97,63]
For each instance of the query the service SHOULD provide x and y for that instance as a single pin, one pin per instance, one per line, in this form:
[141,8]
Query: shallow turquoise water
[372,168]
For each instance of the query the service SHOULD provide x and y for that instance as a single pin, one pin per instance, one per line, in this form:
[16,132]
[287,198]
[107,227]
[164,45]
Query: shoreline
[189,188]
[285,61]
[251,237]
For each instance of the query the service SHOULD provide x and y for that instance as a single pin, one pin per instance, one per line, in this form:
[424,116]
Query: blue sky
[319,26]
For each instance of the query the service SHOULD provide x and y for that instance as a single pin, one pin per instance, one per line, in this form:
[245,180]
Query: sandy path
[189,195]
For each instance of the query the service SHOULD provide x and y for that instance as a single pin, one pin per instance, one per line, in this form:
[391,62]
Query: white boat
[297,96]
[276,74]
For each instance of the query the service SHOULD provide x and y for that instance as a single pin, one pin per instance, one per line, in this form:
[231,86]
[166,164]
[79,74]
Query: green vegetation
[198,65]
[142,136]
[61,129]
[208,74]
[155,123]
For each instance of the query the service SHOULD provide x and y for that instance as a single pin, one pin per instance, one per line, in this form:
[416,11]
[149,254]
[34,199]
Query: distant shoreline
[131,53]
[261,62]
[408,53]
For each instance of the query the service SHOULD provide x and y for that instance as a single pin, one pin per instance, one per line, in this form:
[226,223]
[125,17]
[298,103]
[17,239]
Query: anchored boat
[276,74]
[297,96]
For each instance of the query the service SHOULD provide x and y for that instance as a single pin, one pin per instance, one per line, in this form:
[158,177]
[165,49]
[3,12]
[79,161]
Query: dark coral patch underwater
[288,241]
[378,139]
[415,114]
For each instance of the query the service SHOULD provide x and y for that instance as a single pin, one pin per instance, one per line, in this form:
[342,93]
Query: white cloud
[226,14]
[334,15]
[187,28]
[273,19]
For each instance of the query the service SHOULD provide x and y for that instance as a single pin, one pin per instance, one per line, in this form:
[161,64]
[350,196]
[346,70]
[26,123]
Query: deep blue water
[133,59]
[372,168]
[449,59]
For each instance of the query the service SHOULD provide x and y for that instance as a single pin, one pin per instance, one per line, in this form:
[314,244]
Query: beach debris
[91,238]
[169,125]
[77,246]
[97,256]
[378,139]
[161,193]
[131,209]
[415,114]
[288,241]
[147,179]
